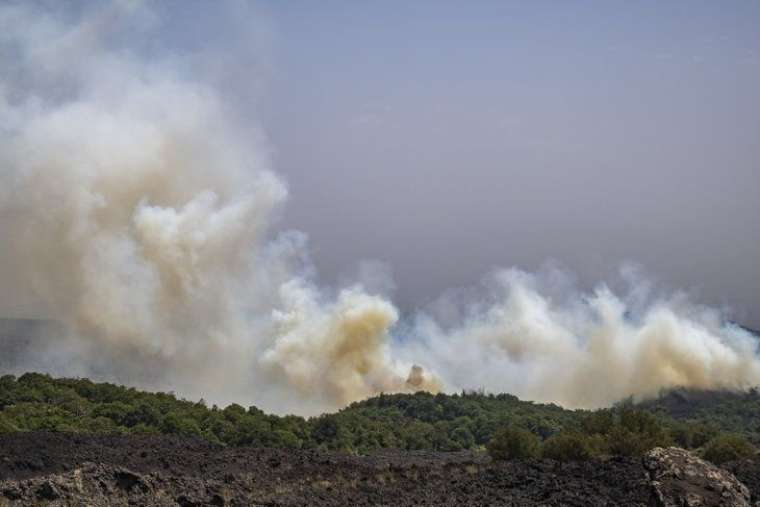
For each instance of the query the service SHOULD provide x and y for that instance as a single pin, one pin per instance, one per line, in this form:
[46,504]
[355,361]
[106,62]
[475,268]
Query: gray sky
[450,138]
[447,138]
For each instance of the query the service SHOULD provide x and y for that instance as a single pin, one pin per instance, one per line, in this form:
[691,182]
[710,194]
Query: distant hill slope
[726,410]
[35,401]
[420,421]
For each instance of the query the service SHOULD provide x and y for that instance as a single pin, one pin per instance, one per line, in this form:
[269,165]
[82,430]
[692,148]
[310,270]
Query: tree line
[721,426]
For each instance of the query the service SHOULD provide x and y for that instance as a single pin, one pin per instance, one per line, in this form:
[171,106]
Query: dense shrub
[701,434]
[176,423]
[513,443]
[598,423]
[567,446]
[692,435]
[643,423]
[463,437]
[727,447]
[623,442]
[636,432]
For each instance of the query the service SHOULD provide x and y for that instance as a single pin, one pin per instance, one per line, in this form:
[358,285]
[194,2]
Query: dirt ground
[160,470]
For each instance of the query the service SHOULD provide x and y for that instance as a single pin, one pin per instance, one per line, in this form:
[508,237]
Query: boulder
[681,479]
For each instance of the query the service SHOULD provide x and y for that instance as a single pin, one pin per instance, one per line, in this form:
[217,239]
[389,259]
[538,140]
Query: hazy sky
[450,138]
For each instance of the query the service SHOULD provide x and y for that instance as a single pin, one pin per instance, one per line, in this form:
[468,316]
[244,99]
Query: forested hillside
[737,411]
[420,421]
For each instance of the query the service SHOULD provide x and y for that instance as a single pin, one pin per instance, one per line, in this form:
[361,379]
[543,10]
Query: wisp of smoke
[138,215]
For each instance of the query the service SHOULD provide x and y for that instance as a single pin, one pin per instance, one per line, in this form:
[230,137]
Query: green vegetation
[504,425]
[726,411]
[514,443]
[727,447]
[621,431]
[567,446]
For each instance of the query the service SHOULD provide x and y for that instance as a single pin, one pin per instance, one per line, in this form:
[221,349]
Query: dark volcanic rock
[748,472]
[156,471]
[99,485]
[163,471]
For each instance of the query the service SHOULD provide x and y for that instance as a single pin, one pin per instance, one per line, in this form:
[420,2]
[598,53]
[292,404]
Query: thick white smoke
[137,214]
[548,342]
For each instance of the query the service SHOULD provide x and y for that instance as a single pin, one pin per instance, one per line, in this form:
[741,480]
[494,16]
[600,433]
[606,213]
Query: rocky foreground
[63,470]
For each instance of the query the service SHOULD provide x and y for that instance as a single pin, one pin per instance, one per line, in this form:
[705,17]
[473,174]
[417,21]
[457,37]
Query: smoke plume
[537,336]
[137,213]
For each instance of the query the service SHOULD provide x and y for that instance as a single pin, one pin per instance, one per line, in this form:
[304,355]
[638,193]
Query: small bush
[513,443]
[727,447]
[567,446]
[623,442]
[6,426]
[692,435]
[144,429]
[644,423]
[702,433]
[99,425]
[682,435]
[637,432]
[463,437]
[600,445]
[174,423]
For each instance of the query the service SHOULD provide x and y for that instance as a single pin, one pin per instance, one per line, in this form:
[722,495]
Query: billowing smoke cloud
[138,214]
[538,337]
